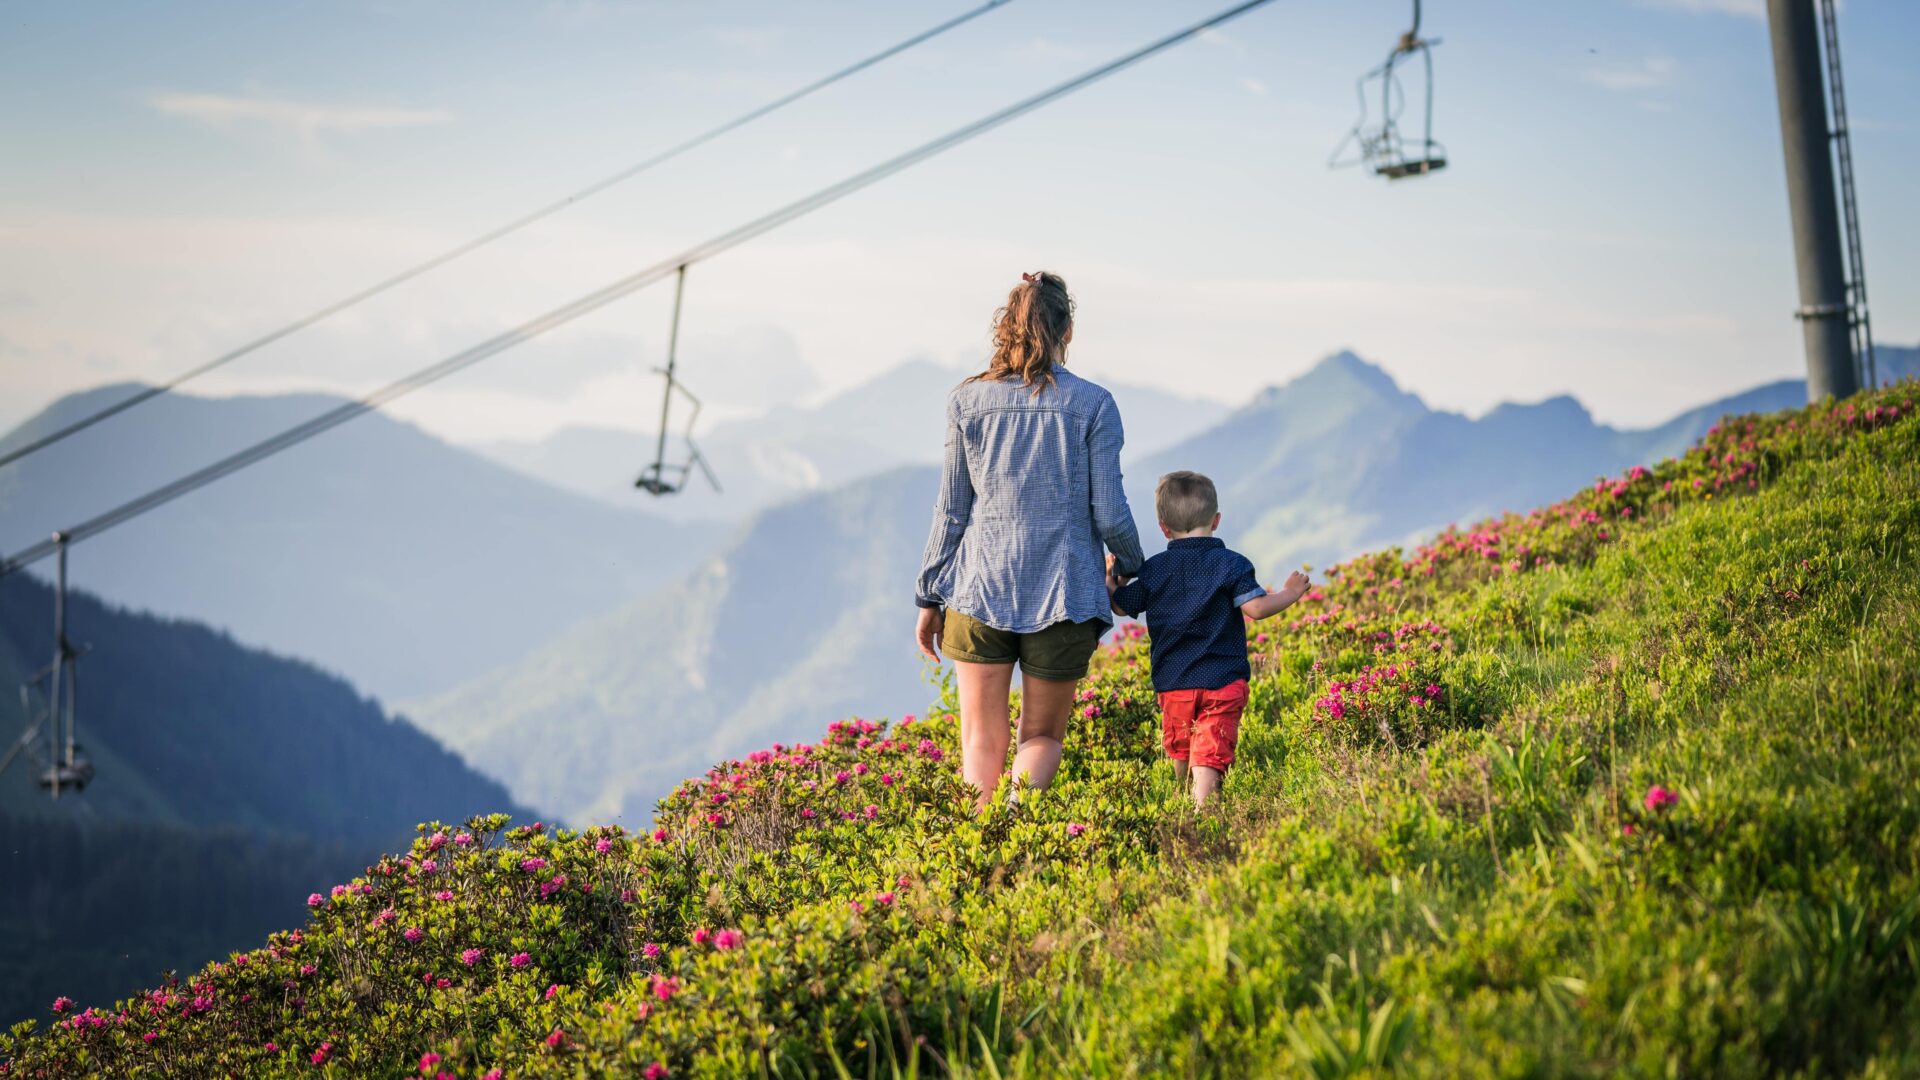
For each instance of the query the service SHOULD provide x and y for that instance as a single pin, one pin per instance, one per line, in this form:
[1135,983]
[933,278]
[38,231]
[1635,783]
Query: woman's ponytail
[1030,331]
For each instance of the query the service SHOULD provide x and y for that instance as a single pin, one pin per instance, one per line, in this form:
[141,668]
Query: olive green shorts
[1059,652]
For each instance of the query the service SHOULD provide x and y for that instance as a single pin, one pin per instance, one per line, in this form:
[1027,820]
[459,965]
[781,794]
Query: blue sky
[181,176]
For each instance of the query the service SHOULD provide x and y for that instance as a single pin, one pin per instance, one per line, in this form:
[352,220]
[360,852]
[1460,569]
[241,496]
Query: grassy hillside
[1623,786]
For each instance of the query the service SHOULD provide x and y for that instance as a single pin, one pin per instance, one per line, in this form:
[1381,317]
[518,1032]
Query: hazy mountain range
[376,550]
[895,419]
[805,615]
[592,654]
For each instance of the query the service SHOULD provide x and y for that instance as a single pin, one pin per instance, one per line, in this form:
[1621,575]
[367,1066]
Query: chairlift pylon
[654,478]
[1381,146]
[57,767]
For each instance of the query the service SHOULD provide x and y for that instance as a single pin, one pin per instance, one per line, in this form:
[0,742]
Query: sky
[182,176]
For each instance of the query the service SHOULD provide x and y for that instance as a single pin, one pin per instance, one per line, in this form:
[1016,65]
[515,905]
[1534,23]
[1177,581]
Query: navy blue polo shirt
[1191,595]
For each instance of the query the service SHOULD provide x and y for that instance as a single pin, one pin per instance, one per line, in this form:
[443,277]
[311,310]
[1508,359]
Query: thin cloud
[1751,9]
[306,119]
[1647,74]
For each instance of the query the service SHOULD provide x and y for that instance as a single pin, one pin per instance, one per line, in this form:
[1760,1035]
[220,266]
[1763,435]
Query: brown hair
[1030,331]
[1185,501]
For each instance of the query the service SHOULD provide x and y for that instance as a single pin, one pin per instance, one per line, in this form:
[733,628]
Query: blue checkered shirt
[1029,492]
[1191,595]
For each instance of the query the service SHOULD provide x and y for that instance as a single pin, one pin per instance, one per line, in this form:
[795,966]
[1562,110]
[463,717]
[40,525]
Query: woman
[1013,570]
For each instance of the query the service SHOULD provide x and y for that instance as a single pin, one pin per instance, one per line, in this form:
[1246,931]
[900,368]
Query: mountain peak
[1342,377]
[1560,408]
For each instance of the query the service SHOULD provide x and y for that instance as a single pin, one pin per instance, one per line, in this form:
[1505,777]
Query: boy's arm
[1263,607]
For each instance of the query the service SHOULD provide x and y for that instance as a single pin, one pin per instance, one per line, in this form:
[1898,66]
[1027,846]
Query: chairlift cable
[608,293]
[497,233]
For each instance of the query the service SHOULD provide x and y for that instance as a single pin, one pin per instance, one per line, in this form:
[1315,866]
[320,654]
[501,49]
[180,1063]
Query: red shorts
[1202,726]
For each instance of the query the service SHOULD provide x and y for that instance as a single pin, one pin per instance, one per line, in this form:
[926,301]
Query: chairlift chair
[57,768]
[654,478]
[1382,147]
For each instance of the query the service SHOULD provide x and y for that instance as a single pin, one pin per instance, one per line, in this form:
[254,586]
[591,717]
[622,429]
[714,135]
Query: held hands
[1114,580]
[927,633]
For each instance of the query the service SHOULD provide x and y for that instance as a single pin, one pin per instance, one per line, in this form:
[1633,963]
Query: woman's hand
[927,633]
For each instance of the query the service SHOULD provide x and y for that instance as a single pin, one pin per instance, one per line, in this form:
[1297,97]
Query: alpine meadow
[1625,785]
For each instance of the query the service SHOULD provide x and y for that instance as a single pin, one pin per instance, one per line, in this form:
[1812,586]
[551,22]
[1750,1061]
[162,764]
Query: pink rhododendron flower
[871,811]
[428,1060]
[315,900]
[271,1047]
[1075,829]
[519,960]
[319,1056]
[659,836]
[443,895]
[656,1071]
[701,935]
[727,939]
[558,1039]
[553,991]
[603,845]
[471,957]
[884,899]
[650,950]
[62,1004]
[412,933]
[1628,829]
[531,865]
[664,989]
[856,906]
[1659,798]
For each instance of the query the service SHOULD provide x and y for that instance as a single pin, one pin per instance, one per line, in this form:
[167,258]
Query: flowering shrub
[836,907]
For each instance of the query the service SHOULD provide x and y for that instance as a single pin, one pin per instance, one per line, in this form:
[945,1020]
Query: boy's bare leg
[1180,772]
[1044,705]
[1206,784]
[985,729]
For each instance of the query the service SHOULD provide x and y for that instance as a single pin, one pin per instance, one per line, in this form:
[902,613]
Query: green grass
[1469,884]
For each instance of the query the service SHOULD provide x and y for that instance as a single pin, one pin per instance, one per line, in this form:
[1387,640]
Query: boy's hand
[1296,586]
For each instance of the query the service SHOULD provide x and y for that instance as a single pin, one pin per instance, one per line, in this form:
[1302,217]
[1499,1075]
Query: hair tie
[1031,279]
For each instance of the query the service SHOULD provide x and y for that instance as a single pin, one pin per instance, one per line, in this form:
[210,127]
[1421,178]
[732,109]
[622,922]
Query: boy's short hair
[1185,501]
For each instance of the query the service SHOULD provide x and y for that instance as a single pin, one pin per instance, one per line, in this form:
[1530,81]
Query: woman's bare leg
[1044,706]
[984,726]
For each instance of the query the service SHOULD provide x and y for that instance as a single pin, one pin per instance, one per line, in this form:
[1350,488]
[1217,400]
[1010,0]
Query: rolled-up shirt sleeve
[1246,585]
[1111,516]
[952,509]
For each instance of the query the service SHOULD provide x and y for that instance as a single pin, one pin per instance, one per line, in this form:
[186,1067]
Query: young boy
[1194,596]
